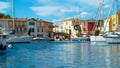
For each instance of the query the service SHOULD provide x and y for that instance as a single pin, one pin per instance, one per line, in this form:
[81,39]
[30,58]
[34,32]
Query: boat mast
[116,23]
[109,12]
[13,14]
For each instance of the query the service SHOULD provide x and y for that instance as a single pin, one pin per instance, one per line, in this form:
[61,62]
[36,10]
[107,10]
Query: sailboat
[17,39]
[98,38]
[114,38]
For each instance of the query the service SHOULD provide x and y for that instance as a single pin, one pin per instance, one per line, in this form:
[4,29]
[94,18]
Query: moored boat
[97,39]
[21,39]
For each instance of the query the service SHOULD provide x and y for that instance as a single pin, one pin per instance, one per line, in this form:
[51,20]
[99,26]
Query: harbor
[80,34]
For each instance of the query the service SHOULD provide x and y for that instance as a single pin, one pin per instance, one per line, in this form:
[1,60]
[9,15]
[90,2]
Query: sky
[55,10]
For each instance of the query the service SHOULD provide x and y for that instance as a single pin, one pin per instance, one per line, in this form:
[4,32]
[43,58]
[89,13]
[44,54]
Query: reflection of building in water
[115,56]
[96,56]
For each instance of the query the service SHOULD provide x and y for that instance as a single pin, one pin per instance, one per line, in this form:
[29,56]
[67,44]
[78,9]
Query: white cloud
[93,3]
[85,14]
[53,10]
[4,6]
[45,10]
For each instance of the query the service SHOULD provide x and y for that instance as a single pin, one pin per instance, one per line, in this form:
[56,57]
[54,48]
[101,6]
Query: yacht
[98,38]
[114,37]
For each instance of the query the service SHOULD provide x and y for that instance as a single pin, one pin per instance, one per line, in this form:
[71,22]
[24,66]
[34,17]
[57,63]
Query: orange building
[37,27]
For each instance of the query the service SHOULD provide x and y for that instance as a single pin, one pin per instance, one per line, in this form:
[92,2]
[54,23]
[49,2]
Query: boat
[21,39]
[98,38]
[80,39]
[38,39]
[15,38]
[114,37]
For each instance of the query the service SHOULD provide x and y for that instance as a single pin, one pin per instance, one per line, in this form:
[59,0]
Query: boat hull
[113,40]
[97,39]
[81,39]
[19,40]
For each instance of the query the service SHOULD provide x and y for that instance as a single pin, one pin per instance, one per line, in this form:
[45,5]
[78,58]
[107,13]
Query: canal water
[61,55]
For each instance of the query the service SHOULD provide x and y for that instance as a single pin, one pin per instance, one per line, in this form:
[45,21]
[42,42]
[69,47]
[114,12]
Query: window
[25,23]
[42,29]
[32,29]
[84,29]
[16,24]
[31,23]
[84,23]
[37,29]
[38,24]
[42,24]
[20,29]
[21,24]
[11,24]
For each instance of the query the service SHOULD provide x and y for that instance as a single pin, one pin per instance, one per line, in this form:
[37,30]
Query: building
[36,27]
[110,24]
[67,26]
[87,27]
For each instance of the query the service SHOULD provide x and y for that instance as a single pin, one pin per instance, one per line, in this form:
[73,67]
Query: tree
[97,32]
[79,32]
[2,15]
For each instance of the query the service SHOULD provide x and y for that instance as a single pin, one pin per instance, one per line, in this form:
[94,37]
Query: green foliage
[97,32]
[79,32]
[2,15]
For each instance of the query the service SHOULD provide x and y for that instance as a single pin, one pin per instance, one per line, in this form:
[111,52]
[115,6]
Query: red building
[87,27]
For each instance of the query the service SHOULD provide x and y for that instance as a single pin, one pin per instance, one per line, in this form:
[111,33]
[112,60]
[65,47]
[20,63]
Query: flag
[12,32]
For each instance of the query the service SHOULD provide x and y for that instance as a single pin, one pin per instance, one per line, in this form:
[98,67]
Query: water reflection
[62,55]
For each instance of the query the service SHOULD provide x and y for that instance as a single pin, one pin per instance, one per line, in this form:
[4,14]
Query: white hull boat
[39,39]
[112,39]
[22,39]
[97,39]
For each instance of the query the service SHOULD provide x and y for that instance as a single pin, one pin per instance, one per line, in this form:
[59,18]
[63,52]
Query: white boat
[21,39]
[39,39]
[114,38]
[2,41]
[97,39]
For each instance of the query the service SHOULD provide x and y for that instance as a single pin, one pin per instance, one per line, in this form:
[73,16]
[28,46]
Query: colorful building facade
[36,27]
[88,27]
[113,22]
[67,26]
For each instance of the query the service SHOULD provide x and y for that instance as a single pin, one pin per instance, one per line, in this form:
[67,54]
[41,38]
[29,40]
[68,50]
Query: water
[61,55]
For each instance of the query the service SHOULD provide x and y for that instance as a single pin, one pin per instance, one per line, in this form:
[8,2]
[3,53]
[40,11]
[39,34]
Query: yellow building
[112,22]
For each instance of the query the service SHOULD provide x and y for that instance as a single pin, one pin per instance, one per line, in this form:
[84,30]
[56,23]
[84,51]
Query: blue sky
[54,10]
